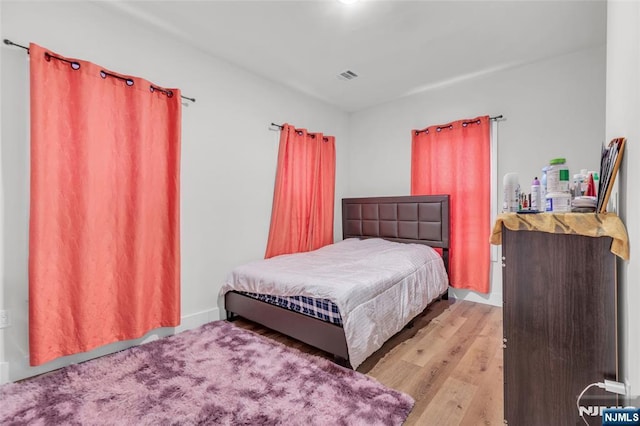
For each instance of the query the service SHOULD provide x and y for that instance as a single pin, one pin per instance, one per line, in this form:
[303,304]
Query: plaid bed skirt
[322,309]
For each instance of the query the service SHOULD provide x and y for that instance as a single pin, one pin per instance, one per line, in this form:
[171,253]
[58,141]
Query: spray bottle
[511,192]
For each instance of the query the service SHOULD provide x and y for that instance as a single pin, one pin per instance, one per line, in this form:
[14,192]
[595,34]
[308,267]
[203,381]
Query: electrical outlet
[4,318]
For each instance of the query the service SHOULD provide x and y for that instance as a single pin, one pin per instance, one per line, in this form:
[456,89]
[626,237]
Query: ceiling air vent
[347,75]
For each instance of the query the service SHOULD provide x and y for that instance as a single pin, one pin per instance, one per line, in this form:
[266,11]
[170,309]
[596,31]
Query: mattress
[322,309]
[377,285]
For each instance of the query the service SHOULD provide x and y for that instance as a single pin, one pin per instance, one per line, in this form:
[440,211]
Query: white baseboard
[199,318]
[493,298]
[4,373]
[22,369]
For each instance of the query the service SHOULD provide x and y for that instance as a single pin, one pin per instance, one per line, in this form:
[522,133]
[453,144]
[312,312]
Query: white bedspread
[378,285]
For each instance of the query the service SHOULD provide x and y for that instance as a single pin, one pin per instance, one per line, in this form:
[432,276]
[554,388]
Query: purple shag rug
[217,374]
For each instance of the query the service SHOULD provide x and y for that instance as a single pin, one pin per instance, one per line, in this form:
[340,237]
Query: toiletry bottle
[536,195]
[596,181]
[543,185]
[591,187]
[585,181]
[511,192]
[557,176]
[576,185]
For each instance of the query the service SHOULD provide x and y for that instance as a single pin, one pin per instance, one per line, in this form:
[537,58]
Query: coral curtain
[303,200]
[454,159]
[104,259]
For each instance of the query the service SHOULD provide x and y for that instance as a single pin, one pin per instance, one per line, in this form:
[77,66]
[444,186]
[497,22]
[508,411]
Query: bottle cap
[558,161]
[535,181]
[510,179]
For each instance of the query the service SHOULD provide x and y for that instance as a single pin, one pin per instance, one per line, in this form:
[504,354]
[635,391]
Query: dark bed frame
[422,219]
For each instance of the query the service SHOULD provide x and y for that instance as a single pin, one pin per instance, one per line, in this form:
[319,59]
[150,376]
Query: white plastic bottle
[536,196]
[511,192]
[557,176]
[558,202]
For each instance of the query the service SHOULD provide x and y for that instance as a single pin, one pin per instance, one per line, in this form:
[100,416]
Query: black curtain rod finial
[10,43]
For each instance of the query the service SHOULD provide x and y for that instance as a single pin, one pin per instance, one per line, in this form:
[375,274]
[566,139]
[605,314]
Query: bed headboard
[422,219]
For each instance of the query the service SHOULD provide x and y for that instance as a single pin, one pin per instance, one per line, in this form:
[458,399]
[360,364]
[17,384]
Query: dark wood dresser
[560,325]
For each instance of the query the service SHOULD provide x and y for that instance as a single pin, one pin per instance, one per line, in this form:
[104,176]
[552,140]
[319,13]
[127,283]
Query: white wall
[4,366]
[552,109]
[228,153]
[623,119]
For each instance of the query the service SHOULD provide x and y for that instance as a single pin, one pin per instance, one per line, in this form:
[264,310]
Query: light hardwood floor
[450,362]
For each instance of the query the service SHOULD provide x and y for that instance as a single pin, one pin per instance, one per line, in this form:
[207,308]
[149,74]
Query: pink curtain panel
[104,254]
[303,199]
[454,159]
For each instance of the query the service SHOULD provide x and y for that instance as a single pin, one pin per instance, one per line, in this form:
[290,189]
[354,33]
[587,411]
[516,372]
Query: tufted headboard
[422,219]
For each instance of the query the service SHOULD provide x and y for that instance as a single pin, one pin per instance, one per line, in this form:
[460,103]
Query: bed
[348,299]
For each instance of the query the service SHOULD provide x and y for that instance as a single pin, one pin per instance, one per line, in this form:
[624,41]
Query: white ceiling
[396,47]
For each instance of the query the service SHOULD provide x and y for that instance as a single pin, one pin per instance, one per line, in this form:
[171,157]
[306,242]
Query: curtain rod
[496,118]
[10,43]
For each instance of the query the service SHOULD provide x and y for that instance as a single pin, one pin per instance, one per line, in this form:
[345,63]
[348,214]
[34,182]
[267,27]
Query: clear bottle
[578,185]
[543,183]
[585,181]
